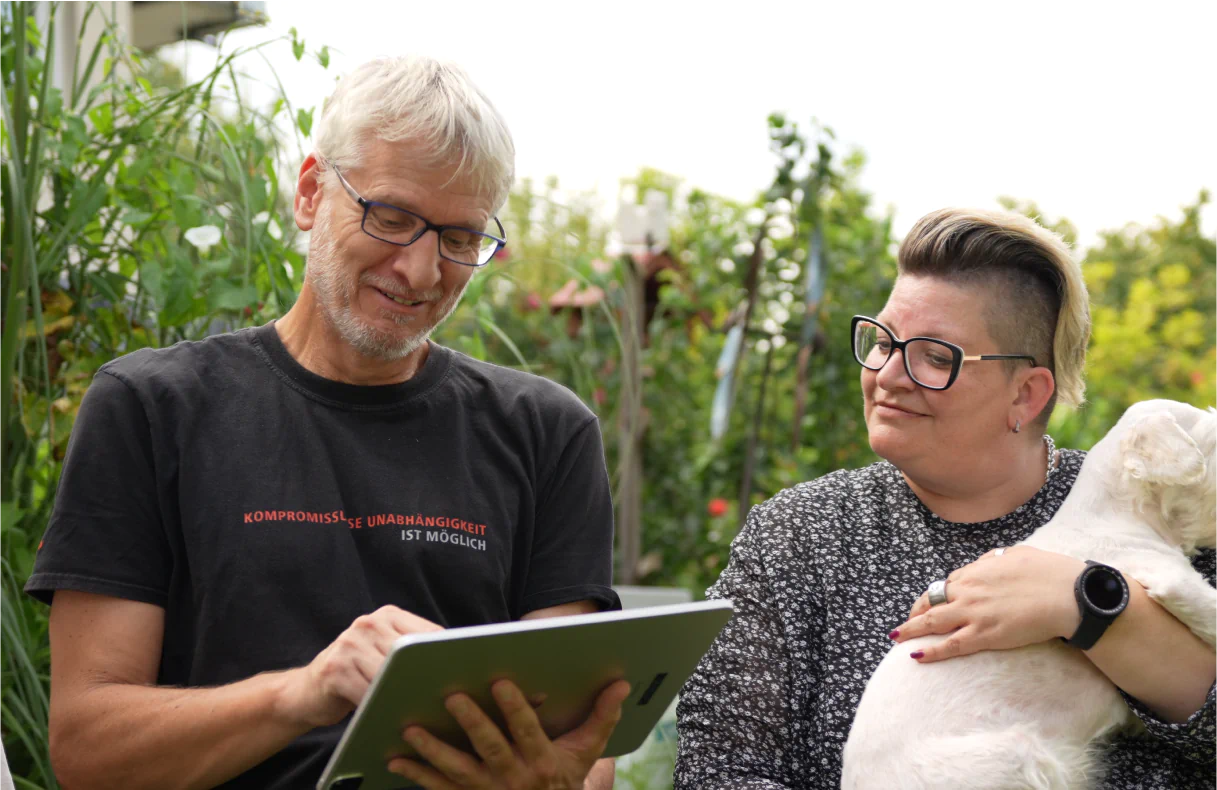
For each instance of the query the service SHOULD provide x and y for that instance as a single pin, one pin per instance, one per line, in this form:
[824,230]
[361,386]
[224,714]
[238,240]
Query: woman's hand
[1022,597]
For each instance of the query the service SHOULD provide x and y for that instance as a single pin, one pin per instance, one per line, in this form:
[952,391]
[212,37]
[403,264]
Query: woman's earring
[1018,425]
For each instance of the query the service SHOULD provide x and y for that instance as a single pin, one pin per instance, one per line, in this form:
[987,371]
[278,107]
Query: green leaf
[304,120]
[475,347]
[257,195]
[220,264]
[134,217]
[298,48]
[10,514]
[226,296]
[323,57]
[54,103]
[103,119]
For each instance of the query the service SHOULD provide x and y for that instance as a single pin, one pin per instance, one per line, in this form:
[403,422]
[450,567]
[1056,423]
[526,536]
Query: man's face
[385,300]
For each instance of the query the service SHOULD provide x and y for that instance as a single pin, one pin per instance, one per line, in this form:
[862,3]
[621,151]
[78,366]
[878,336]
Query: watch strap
[1092,625]
[1089,631]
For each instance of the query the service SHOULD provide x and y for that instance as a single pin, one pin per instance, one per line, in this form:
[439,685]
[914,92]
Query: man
[246,524]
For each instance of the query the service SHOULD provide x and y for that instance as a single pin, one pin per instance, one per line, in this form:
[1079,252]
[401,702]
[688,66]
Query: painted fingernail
[893,635]
[917,654]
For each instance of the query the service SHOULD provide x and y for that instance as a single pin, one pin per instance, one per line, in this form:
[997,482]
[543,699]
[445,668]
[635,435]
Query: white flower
[223,210]
[272,227]
[204,237]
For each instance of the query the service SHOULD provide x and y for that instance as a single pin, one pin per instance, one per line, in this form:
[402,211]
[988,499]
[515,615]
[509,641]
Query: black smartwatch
[1102,594]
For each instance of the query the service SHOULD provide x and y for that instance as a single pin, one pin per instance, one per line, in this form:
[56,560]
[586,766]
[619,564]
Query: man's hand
[333,684]
[528,761]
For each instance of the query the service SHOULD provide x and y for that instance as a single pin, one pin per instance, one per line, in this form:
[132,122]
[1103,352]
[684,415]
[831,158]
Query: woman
[823,575]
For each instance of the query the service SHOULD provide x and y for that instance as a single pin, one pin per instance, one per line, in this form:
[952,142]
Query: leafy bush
[135,213]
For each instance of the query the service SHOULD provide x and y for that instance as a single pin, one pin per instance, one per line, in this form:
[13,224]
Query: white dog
[1032,717]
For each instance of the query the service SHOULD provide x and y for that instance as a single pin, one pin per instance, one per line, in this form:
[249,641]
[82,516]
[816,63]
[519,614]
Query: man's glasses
[401,227]
[930,362]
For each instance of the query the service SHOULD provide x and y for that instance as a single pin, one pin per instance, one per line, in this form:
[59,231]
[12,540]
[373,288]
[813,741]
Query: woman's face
[946,431]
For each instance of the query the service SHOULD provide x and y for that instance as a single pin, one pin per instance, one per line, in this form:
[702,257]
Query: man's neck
[314,342]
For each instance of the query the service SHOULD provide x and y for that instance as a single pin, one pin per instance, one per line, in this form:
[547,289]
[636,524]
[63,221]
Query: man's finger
[409,623]
[420,774]
[522,720]
[452,763]
[484,734]
[593,735]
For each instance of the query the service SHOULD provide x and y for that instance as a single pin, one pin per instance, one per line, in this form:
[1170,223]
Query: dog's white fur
[1146,497]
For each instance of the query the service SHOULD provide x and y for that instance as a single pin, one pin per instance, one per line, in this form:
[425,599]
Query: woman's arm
[1026,596]
[737,717]
[1153,657]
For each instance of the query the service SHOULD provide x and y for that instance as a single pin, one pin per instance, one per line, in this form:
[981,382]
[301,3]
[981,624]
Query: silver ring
[938,592]
[999,552]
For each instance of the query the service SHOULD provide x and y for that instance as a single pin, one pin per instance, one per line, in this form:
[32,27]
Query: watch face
[1103,589]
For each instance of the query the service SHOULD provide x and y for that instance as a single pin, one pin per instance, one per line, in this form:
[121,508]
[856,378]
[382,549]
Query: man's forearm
[130,736]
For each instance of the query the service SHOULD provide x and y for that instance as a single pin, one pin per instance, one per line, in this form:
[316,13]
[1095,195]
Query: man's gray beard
[336,295]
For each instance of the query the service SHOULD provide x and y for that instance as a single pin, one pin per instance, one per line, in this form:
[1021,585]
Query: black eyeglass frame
[500,241]
[958,357]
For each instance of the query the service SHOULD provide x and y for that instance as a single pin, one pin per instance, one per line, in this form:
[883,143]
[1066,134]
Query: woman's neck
[993,491]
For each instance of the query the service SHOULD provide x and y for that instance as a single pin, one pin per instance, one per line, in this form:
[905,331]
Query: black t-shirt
[265,507]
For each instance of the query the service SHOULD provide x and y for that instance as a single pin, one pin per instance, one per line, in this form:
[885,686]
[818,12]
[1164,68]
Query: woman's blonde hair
[421,100]
[1036,302]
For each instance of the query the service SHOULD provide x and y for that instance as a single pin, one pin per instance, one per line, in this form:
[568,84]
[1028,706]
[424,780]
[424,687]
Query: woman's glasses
[930,362]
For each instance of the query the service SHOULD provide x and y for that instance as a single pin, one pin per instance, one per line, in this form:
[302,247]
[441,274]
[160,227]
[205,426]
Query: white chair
[635,596]
[651,765]
[6,779]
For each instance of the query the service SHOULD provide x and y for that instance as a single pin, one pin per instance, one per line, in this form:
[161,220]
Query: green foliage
[112,187]
[1154,322]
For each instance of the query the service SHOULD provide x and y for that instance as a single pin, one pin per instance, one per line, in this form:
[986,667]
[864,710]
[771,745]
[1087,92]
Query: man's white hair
[420,100]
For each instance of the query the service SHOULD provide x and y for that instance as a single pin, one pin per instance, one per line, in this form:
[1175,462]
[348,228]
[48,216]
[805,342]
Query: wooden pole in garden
[629,498]
[813,292]
[751,287]
[745,491]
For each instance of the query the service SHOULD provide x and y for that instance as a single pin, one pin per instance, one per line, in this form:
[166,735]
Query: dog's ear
[1157,451]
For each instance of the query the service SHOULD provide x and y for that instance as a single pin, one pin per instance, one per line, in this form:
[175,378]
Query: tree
[1154,322]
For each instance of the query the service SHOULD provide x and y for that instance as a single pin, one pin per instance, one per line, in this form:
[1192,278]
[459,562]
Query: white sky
[1102,112]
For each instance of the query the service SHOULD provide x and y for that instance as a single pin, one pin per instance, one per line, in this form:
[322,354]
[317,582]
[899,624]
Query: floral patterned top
[819,575]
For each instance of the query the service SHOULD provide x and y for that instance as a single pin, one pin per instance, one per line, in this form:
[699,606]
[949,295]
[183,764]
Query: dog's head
[1168,458]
